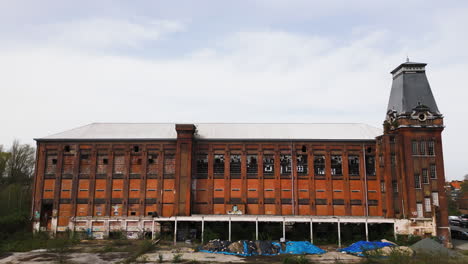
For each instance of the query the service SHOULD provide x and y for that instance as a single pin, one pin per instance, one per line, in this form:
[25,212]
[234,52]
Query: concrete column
[256,228]
[202,229]
[311,231]
[367,231]
[175,231]
[395,230]
[284,228]
[339,233]
[107,228]
[229,229]
[152,230]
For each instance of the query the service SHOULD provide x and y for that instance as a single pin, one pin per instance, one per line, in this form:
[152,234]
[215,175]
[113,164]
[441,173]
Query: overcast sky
[65,64]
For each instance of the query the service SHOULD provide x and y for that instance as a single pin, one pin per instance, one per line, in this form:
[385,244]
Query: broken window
[301,167]
[419,209]
[85,164]
[268,164]
[425,177]
[370,165]
[252,164]
[433,171]
[169,164]
[319,165]
[285,163]
[153,164]
[51,166]
[393,160]
[336,168]
[235,164]
[430,148]
[119,164]
[218,165]
[202,163]
[68,163]
[422,147]
[417,181]
[414,147]
[353,165]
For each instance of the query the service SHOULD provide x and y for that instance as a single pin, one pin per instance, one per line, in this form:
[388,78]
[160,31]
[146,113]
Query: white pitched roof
[220,131]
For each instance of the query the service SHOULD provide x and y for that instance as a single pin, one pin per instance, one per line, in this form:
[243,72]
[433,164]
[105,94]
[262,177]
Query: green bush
[302,259]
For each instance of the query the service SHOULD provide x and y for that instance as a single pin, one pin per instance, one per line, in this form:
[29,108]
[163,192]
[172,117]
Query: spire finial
[407,58]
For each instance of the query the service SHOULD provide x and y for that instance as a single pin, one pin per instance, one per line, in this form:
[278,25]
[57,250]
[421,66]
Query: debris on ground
[388,251]
[260,248]
[360,247]
[432,247]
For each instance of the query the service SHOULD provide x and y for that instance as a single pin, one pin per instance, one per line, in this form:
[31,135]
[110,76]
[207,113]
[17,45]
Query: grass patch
[302,259]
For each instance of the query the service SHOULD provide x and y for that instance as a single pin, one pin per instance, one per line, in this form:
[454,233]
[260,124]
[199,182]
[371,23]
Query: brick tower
[412,145]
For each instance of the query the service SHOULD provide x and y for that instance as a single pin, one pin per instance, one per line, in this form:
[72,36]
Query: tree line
[16,177]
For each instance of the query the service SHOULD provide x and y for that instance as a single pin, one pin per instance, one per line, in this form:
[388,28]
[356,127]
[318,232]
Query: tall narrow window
[353,165]
[370,165]
[393,160]
[301,167]
[268,165]
[419,209]
[415,147]
[430,148]
[218,165]
[427,204]
[382,186]
[417,181]
[235,164]
[252,164]
[425,177]
[395,186]
[422,147]
[433,171]
[202,163]
[336,168]
[435,198]
[285,162]
[319,165]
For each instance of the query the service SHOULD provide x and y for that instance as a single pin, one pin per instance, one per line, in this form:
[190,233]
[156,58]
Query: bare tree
[20,163]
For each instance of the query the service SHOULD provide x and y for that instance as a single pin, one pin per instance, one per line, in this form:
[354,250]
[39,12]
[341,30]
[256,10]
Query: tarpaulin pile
[361,246]
[260,247]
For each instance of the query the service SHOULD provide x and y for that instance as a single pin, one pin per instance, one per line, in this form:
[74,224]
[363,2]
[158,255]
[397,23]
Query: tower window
[435,198]
[414,147]
[425,177]
[423,147]
[395,186]
[417,181]
[136,148]
[433,171]
[67,148]
[430,148]
[393,160]
[427,204]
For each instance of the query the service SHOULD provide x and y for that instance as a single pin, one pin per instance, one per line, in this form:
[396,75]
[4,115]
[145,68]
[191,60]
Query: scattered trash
[430,246]
[260,247]
[361,246]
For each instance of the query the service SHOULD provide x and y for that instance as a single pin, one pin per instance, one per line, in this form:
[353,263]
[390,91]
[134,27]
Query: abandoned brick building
[134,177]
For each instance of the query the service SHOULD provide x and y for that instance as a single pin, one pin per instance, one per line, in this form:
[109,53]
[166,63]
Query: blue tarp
[361,246]
[299,247]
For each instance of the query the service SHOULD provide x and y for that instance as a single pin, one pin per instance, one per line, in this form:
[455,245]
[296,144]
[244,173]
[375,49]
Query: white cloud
[105,33]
